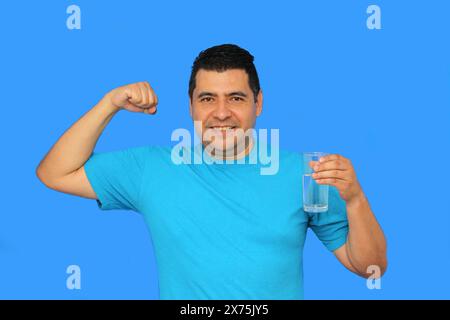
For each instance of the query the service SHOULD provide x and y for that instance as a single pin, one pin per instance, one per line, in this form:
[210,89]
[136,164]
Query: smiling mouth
[222,127]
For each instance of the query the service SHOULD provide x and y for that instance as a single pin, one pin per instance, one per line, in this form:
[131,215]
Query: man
[219,231]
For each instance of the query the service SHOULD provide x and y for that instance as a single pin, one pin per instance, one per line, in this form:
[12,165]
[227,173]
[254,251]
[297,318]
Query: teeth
[223,128]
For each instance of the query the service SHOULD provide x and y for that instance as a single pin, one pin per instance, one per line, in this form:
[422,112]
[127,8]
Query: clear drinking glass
[315,196]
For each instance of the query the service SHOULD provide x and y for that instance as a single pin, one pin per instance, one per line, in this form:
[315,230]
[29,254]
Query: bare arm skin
[62,168]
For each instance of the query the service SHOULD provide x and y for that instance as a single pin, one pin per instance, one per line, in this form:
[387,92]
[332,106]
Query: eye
[206,99]
[236,98]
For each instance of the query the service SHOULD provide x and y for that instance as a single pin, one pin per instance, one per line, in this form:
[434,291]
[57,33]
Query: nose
[222,111]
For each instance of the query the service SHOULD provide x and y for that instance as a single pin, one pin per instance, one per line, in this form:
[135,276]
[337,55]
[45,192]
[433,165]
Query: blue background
[378,97]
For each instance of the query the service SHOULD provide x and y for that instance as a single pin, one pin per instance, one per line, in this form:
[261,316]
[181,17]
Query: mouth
[224,128]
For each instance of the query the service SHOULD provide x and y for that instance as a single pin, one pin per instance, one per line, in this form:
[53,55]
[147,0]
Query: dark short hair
[225,57]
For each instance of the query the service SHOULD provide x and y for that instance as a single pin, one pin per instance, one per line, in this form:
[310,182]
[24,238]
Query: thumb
[131,107]
[152,110]
[312,163]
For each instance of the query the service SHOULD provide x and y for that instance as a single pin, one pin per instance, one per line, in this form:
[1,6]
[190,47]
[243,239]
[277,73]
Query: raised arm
[62,168]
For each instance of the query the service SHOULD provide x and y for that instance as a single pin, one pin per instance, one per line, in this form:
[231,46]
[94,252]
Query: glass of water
[315,196]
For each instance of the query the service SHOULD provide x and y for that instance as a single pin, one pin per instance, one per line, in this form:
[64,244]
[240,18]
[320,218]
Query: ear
[259,103]
[190,106]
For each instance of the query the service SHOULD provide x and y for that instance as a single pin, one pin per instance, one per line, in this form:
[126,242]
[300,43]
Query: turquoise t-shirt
[220,231]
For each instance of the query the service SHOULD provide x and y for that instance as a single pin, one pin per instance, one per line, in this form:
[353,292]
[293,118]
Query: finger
[332,182]
[131,107]
[153,99]
[147,94]
[313,163]
[144,94]
[152,94]
[330,165]
[136,96]
[339,174]
[151,110]
[331,157]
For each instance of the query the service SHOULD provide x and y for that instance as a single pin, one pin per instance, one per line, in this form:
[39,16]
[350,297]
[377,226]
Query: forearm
[366,244]
[74,147]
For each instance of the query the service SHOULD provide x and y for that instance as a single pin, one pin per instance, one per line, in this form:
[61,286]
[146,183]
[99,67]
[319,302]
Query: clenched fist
[135,97]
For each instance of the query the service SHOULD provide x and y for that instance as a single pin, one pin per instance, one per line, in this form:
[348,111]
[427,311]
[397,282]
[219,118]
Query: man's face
[224,102]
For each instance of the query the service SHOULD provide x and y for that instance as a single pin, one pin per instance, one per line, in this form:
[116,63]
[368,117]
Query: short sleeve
[116,177]
[331,227]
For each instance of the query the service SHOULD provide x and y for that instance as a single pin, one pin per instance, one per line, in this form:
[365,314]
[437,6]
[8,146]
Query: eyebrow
[237,93]
[206,93]
[234,93]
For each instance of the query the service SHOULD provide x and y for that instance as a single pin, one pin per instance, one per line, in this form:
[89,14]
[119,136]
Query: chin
[228,149]
[219,146]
